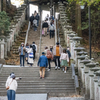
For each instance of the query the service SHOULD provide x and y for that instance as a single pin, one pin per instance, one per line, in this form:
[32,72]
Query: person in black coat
[45,27]
[31,19]
[69,54]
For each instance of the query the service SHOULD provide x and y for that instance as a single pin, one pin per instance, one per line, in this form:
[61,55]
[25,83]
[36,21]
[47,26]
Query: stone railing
[88,69]
[6,42]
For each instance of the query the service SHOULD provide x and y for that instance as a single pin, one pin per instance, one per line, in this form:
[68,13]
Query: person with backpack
[34,46]
[30,55]
[31,19]
[45,27]
[35,21]
[49,57]
[64,59]
[51,28]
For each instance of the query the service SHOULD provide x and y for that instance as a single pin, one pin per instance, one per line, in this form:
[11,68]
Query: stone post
[2,48]
[5,49]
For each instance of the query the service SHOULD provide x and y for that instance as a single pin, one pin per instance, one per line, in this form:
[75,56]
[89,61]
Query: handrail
[75,77]
[55,31]
[73,71]
[27,32]
[1,65]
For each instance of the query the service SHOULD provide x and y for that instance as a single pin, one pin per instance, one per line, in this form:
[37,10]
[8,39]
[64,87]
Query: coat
[24,50]
[60,50]
[30,60]
[43,61]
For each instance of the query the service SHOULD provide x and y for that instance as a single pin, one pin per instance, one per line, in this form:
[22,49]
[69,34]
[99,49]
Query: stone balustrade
[6,42]
[88,69]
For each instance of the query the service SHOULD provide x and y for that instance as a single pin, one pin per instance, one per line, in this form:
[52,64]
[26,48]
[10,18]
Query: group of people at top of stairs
[34,19]
[48,26]
[27,53]
[60,56]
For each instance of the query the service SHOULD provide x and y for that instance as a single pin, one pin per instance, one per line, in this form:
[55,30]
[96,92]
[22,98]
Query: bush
[4,23]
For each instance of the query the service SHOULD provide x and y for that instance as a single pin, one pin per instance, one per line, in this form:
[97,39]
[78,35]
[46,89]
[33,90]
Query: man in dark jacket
[43,62]
[69,54]
[31,20]
[45,27]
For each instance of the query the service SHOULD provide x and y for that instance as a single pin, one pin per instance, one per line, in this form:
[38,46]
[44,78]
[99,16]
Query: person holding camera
[11,87]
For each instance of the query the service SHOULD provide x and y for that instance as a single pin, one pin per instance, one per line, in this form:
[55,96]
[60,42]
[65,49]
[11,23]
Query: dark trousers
[57,60]
[49,60]
[34,54]
[51,34]
[22,57]
[11,94]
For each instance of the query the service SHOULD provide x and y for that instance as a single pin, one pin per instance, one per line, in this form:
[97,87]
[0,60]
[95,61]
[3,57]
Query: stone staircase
[13,57]
[56,83]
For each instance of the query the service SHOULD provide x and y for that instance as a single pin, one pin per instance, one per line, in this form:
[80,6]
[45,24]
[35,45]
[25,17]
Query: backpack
[34,48]
[49,55]
[35,22]
[51,27]
[31,55]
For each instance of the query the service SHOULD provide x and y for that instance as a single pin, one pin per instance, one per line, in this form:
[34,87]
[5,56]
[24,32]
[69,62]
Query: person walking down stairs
[64,59]
[22,51]
[57,52]
[11,87]
[43,63]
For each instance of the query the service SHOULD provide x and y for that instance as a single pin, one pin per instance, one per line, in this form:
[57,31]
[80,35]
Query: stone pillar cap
[69,27]
[91,64]
[81,52]
[85,61]
[76,38]
[86,70]
[79,48]
[81,57]
[91,74]
[97,73]
[95,79]
[95,69]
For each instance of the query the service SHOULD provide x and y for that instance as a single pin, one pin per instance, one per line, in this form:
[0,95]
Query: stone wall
[6,42]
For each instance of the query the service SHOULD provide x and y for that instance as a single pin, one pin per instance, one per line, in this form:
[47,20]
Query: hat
[22,43]
[43,53]
[33,42]
[12,76]
[11,73]
[57,43]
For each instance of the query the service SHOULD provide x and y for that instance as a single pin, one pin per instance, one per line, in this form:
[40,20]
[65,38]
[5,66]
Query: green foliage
[4,23]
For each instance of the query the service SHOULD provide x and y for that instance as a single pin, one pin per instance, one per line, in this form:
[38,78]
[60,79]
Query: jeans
[22,57]
[51,33]
[49,60]
[35,28]
[57,58]
[11,94]
[42,72]
[37,22]
[34,54]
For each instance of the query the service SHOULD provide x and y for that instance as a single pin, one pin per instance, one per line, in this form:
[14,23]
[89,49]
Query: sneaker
[48,69]
[56,68]
[40,77]
[64,71]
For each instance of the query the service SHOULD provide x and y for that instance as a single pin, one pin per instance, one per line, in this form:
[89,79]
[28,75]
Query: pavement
[28,97]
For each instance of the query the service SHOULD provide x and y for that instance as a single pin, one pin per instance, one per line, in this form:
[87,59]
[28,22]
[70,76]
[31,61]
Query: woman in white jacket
[11,86]
[30,55]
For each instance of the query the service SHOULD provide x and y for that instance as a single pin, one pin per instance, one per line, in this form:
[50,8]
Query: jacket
[45,25]
[64,56]
[60,50]
[52,27]
[24,50]
[43,61]
[69,54]
[12,83]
